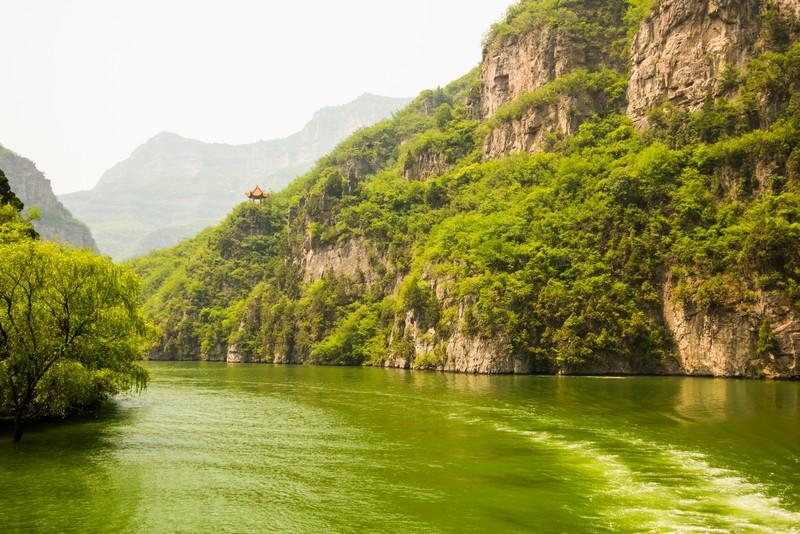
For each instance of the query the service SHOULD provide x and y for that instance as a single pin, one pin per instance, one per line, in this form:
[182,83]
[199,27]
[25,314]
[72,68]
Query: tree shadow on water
[68,473]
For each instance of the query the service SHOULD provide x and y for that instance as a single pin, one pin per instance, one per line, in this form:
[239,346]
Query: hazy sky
[86,81]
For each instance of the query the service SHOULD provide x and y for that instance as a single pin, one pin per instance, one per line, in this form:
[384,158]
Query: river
[252,448]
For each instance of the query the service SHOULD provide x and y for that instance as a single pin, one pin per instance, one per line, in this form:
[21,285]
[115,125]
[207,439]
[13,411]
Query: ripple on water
[272,460]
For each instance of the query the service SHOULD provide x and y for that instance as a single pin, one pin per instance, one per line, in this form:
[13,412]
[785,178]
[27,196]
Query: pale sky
[84,82]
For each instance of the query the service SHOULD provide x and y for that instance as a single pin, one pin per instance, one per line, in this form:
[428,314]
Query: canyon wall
[679,56]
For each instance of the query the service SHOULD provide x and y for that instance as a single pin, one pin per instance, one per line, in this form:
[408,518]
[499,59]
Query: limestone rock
[522,63]
[681,51]
[351,259]
[519,64]
[723,342]
[531,132]
[425,164]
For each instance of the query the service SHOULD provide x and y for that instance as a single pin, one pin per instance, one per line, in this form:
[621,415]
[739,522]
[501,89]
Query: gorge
[611,191]
[560,293]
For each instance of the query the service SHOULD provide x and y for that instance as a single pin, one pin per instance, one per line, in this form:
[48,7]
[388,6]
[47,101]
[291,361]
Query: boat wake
[651,486]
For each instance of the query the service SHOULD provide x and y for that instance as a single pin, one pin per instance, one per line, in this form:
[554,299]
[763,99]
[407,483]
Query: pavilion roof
[257,192]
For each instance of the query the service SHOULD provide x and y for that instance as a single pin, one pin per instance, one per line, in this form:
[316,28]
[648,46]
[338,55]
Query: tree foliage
[71,330]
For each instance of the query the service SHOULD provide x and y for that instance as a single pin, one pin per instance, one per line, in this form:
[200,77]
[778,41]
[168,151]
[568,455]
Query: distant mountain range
[55,222]
[172,187]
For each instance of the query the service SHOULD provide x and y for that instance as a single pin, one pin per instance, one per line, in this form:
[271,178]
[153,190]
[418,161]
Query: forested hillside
[614,189]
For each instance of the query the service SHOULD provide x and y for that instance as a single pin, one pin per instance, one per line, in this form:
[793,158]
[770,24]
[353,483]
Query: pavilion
[257,194]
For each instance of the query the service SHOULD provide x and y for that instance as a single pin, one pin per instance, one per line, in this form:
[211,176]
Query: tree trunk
[17,426]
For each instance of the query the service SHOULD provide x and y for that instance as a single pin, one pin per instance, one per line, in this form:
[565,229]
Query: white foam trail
[703,499]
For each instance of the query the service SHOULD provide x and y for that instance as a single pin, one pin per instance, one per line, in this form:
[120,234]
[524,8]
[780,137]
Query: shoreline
[447,371]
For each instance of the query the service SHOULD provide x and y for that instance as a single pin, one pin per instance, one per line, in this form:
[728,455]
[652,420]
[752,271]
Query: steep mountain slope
[599,196]
[172,187]
[55,223]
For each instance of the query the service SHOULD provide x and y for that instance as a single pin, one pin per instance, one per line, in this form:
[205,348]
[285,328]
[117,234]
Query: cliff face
[531,63]
[680,53]
[725,341]
[522,64]
[425,164]
[355,259]
[33,189]
[536,128]
[679,56]
[381,241]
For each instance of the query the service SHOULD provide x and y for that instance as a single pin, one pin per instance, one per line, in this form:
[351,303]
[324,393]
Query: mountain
[172,187]
[615,190]
[55,223]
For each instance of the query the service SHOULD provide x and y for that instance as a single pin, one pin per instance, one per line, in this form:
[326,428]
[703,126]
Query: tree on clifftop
[71,330]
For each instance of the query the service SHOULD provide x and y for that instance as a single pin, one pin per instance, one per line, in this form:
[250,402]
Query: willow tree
[71,330]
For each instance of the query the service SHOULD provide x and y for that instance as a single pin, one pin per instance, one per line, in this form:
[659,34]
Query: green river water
[253,448]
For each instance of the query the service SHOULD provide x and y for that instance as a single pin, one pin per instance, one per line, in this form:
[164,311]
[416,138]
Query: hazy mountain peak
[173,186]
[165,136]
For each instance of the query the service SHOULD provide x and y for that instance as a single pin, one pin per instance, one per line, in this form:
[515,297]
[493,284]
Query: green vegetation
[71,327]
[7,196]
[562,256]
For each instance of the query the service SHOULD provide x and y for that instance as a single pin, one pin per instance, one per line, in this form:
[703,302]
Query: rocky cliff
[611,192]
[759,339]
[55,223]
[521,96]
[680,53]
[678,56]
[688,51]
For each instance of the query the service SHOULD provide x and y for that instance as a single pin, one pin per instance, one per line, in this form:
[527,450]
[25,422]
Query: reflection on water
[715,401]
[250,448]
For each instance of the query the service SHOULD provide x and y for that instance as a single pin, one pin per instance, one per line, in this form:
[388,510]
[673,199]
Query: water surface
[245,448]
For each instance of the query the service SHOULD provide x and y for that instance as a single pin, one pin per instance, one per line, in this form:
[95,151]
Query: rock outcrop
[458,352]
[681,52]
[724,341]
[33,189]
[787,8]
[424,164]
[522,63]
[535,129]
[355,259]
[517,65]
